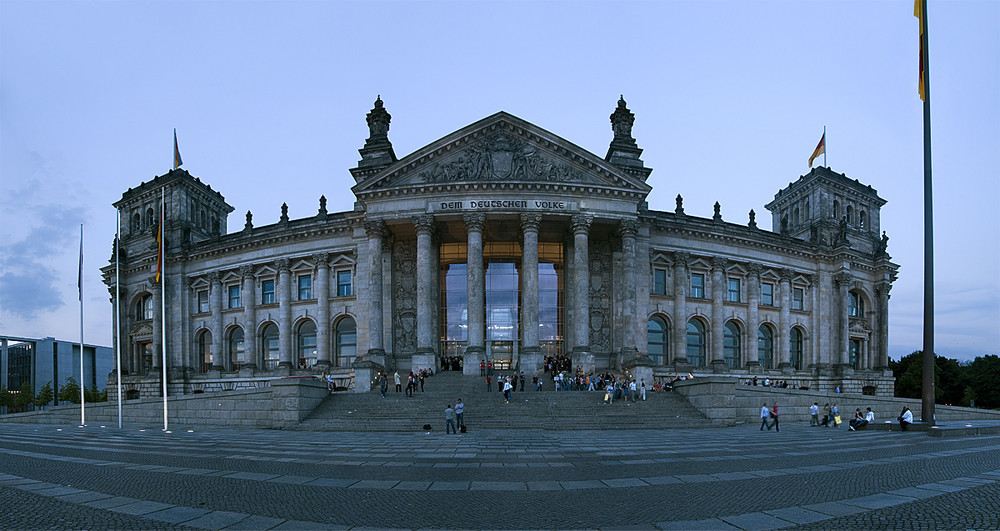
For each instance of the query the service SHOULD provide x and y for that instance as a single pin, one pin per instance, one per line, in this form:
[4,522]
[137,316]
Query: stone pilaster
[784,319]
[580,317]
[752,354]
[627,231]
[323,350]
[425,356]
[220,356]
[531,353]
[376,231]
[715,353]
[284,315]
[158,325]
[881,356]
[680,307]
[843,281]
[249,299]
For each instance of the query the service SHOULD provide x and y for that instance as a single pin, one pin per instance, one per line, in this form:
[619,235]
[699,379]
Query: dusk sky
[269,102]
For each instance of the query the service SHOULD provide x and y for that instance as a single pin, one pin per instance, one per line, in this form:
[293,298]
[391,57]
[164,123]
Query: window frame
[731,294]
[766,298]
[232,302]
[798,298]
[303,289]
[697,289]
[340,284]
[659,284]
[267,296]
[202,301]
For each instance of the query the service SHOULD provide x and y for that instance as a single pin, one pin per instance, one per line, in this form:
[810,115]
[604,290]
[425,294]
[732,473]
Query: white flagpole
[163,304]
[118,343]
[824,147]
[83,419]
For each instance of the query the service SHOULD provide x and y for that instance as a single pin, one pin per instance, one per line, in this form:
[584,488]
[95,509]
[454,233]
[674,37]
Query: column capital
[530,222]
[786,275]
[282,264]
[581,223]
[215,277]
[719,263]
[474,221]
[754,269]
[246,271]
[681,258]
[628,228]
[882,289]
[375,228]
[843,279]
[424,224]
[322,259]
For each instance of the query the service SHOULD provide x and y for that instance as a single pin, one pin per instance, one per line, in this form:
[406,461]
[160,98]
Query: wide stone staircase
[529,409]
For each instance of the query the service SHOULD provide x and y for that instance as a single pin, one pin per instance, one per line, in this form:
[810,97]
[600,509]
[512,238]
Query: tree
[70,391]
[45,395]
[93,395]
[984,373]
[25,396]
[950,378]
[5,398]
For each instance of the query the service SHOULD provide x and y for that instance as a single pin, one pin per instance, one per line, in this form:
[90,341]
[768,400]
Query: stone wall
[721,398]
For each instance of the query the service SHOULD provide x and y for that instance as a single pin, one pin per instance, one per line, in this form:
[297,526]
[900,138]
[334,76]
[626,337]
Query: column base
[424,358]
[375,355]
[582,358]
[531,361]
[719,367]
[471,359]
[322,365]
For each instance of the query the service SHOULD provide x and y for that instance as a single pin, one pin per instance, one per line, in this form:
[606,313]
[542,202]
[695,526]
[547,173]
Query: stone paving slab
[878,501]
[298,525]
[662,480]
[835,508]
[696,478]
[255,476]
[108,503]
[756,522]
[291,480]
[216,520]
[939,486]
[584,484]
[58,491]
[449,485]
[374,484]
[332,482]
[83,497]
[798,515]
[412,485]
[713,524]
[497,485]
[544,485]
[915,492]
[259,522]
[141,508]
[176,515]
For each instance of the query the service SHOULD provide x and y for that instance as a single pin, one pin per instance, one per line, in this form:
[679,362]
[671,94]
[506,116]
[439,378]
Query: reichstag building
[503,242]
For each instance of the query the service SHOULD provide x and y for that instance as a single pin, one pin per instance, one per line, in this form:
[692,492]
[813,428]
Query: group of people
[557,363]
[831,415]
[453,416]
[451,363]
[769,417]
[617,388]
[767,382]
[414,380]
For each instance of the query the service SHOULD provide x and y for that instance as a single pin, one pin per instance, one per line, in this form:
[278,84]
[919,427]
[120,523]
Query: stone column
[425,356]
[784,319]
[249,298]
[719,291]
[475,345]
[375,230]
[752,353]
[582,357]
[323,350]
[531,353]
[680,308]
[220,358]
[843,281]
[881,357]
[285,354]
[627,230]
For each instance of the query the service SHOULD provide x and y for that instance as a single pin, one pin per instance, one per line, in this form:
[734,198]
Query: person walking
[834,415]
[814,411]
[489,384]
[774,415]
[765,414]
[506,389]
[449,420]
[395,377]
[460,413]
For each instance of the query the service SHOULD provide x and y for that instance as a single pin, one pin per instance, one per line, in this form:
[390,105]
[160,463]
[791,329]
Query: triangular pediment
[501,150]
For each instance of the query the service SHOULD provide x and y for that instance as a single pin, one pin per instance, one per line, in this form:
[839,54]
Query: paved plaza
[60,477]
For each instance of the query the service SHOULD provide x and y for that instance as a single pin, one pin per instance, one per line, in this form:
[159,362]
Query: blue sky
[269,102]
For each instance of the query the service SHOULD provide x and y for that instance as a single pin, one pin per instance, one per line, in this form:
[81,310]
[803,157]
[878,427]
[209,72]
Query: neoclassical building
[505,242]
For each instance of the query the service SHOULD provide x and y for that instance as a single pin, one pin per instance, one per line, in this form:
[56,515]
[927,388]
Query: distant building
[505,242]
[49,360]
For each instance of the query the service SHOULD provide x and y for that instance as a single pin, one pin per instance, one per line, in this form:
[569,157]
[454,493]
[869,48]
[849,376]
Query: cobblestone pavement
[62,477]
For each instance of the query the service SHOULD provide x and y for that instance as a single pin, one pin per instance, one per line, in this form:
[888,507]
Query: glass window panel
[697,286]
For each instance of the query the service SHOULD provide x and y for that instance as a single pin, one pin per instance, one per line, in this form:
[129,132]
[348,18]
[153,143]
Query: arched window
[765,347]
[136,223]
[346,344]
[656,340]
[149,217]
[836,209]
[696,343]
[795,217]
[237,354]
[269,346]
[731,345]
[855,304]
[144,308]
[863,219]
[204,350]
[795,348]
[306,344]
[807,211]
[850,214]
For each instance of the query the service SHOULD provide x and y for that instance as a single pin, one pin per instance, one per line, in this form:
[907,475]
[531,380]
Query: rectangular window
[267,292]
[305,287]
[767,294]
[734,290]
[203,301]
[798,299]
[697,286]
[343,283]
[234,296]
[660,281]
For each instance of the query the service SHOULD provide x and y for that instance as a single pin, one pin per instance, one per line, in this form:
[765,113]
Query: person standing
[814,411]
[489,384]
[764,415]
[384,385]
[421,382]
[460,413]
[396,378]
[521,377]
[826,415]
[449,420]
[506,389]
[835,415]
[482,368]
[774,415]
[642,389]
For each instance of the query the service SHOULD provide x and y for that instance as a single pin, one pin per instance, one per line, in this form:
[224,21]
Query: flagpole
[83,419]
[927,401]
[824,147]
[118,343]
[163,304]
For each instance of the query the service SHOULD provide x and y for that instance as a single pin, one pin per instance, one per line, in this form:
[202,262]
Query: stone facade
[503,242]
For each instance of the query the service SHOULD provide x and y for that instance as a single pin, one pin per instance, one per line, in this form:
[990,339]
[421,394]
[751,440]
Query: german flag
[820,149]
